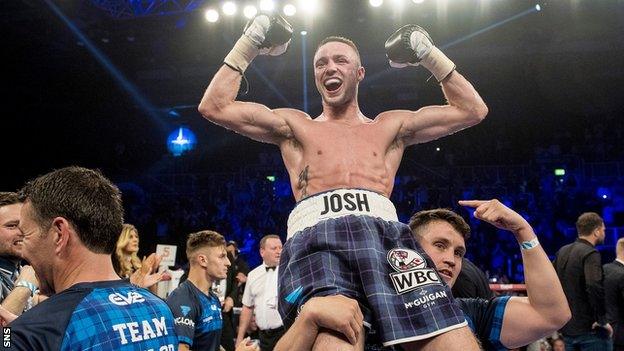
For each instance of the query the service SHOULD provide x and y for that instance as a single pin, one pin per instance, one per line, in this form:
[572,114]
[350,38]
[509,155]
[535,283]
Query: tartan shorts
[378,263]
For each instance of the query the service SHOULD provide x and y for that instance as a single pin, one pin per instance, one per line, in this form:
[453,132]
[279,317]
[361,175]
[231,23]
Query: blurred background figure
[579,268]
[126,260]
[558,345]
[472,282]
[240,270]
[614,295]
[260,296]
[143,273]
[18,284]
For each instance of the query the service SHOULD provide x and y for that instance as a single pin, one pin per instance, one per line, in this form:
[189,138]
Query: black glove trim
[399,47]
[242,74]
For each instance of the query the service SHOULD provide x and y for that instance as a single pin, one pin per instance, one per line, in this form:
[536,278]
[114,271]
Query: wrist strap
[241,55]
[438,64]
[528,245]
[28,285]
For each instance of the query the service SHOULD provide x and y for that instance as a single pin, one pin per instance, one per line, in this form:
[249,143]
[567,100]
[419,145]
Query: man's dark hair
[422,218]
[85,198]
[587,223]
[343,40]
[8,198]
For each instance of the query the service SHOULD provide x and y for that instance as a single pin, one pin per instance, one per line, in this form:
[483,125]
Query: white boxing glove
[411,45]
[263,35]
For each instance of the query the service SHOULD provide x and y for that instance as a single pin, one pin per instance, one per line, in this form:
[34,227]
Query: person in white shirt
[260,296]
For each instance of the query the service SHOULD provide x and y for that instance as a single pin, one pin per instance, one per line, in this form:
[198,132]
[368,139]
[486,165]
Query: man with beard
[579,268]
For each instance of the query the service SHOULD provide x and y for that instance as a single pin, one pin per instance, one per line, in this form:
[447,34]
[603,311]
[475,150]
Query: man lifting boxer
[344,233]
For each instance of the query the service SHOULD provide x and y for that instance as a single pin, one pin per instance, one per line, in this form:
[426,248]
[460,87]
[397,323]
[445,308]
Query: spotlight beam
[532,9]
[271,86]
[133,91]
[488,28]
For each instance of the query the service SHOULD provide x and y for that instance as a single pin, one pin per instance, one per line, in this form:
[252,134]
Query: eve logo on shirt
[127,299]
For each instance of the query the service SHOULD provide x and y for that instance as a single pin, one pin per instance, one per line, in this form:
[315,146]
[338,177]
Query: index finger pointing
[471,203]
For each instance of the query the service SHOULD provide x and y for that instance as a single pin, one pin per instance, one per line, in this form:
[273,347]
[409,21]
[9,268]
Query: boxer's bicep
[255,121]
[431,123]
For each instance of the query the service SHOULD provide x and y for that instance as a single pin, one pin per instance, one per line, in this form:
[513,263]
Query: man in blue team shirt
[499,323]
[71,219]
[197,310]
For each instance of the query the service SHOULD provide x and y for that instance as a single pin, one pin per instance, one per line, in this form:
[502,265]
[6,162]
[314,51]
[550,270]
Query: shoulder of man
[256,272]
[291,113]
[108,314]
[43,326]
[485,318]
[613,268]
[180,289]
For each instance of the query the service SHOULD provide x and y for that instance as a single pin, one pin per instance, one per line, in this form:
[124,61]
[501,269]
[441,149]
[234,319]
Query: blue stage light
[180,141]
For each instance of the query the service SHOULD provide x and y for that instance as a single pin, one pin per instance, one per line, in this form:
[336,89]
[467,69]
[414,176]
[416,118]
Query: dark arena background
[114,85]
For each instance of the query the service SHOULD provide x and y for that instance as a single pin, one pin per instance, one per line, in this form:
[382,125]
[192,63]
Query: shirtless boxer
[344,235]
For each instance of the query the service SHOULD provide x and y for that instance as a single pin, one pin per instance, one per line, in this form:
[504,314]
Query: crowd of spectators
[256,201]
[247,202]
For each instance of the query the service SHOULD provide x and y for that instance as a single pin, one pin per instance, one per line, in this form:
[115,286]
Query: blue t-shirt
[485,318]
[105,315]
[198,320]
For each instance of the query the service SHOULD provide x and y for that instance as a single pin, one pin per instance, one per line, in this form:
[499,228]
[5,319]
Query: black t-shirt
[471,282]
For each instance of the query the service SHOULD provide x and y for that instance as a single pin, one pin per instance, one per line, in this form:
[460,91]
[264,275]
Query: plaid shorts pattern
[376,262]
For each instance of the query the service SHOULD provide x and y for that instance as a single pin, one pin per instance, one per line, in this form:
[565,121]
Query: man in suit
[614,295]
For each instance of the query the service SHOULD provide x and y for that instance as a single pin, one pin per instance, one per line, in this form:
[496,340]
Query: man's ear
[361,72]
[62,232]
[202,260]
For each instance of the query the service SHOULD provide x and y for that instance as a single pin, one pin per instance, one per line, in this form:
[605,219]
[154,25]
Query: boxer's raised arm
[263,36]
[412,46]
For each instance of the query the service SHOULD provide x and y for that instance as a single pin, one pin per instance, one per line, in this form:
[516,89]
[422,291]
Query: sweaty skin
[364,155]
[341,148]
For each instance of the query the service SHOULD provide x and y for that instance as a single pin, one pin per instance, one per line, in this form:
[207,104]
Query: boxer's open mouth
[332,84]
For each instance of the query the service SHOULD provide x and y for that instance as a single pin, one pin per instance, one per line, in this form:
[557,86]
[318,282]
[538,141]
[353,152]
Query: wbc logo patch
[411,270]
